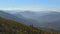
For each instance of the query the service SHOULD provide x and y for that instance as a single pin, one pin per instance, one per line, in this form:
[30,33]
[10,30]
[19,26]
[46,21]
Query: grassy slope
[12,27]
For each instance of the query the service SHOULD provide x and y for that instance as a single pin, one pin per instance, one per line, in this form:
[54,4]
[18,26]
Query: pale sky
[30,5]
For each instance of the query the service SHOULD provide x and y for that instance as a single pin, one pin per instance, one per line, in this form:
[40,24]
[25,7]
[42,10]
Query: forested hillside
[12,27]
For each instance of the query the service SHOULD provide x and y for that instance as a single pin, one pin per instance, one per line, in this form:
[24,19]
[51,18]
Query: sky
[37,5]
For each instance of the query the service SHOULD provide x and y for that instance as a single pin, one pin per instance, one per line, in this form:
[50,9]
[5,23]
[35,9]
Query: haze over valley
[43,19]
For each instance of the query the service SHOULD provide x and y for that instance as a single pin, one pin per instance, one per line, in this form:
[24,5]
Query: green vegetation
[12,27]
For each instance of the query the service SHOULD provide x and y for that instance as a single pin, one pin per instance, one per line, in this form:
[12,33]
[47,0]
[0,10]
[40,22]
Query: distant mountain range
[44,19]
[16,18]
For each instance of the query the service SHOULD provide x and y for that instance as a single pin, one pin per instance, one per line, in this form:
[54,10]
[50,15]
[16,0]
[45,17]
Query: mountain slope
[11,27]
[43,18]
[40,16]
[15,18]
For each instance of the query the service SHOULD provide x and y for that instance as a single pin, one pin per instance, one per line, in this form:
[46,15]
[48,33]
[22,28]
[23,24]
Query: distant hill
[16,18]
[46,19]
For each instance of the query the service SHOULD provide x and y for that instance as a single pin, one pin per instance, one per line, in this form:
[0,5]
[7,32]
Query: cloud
[32,8]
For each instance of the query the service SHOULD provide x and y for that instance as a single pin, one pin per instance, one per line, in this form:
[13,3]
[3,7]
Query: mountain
[31,14]
[45,19]
[41,17]
[16,18]
[28,14]
[9,16]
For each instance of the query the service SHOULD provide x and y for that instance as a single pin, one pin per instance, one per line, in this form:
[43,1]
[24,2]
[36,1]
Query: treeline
[12,27]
